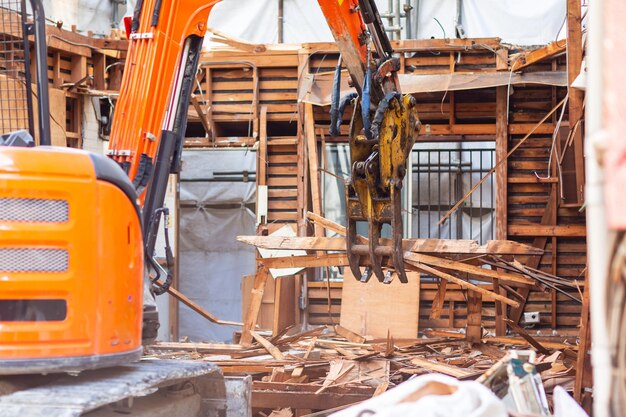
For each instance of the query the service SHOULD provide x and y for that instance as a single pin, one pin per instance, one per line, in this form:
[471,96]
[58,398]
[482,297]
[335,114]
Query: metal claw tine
[397,256]
[353,258]
[374,235]
[367,274]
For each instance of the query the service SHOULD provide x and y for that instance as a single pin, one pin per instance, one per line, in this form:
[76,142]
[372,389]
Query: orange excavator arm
[151,116]
[151,112]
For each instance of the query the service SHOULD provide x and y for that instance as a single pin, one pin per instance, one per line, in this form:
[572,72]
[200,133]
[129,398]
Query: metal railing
[441,175]
[16,71]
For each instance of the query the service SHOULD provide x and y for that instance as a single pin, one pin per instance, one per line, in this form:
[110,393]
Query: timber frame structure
[256,96]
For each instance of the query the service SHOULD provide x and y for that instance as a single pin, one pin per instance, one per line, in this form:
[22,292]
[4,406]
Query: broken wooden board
[426,246]
[376,309]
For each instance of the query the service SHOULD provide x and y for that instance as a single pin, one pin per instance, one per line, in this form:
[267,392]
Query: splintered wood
[329,367]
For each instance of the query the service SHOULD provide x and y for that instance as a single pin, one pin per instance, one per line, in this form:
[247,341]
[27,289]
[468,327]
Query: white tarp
[87,15]
[530,22]
[213,212]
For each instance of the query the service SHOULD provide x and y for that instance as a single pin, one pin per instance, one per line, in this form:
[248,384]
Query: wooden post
[474,331]
[574,61]
[314,176]
[99,67]
[502,149]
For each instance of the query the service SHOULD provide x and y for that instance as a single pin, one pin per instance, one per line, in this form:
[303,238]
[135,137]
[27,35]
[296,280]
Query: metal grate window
[33,210]
[33,260]
[15,106]
[442,175]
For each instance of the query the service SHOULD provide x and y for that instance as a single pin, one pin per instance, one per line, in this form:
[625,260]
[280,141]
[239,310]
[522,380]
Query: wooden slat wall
[472,115]
[237,84]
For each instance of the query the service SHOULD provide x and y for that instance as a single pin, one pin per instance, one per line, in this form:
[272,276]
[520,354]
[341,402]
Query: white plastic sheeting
[531,22]
[470,399]
[212,213]
[87,15]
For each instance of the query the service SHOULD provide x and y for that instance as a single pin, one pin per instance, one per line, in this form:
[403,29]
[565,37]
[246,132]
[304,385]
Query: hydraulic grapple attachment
[374,193]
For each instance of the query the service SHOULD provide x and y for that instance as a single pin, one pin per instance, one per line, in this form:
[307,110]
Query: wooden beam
[262,157]
[463,284]
[551,50]
[473,270]
[201,114]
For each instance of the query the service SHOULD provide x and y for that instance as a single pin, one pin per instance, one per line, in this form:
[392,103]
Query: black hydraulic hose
[380,112]
[134,27]
[334,106]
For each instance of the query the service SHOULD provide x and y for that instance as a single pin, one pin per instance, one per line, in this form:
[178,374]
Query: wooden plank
[195,307]
[349,335]
[568,230]
[306,261]
[365,307]
[250,319]
[302,396]
[534,343]
[271,349]
[435,311]
[439,367]
[425,246]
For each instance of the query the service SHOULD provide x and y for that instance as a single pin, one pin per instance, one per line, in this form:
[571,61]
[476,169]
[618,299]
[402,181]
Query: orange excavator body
[72,263]
[72,242]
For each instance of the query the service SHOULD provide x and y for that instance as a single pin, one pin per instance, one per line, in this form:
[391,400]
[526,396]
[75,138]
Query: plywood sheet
[373,308]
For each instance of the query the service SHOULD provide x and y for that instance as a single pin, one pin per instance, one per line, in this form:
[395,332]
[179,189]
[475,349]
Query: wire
[441,26]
